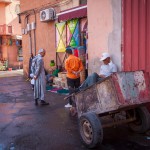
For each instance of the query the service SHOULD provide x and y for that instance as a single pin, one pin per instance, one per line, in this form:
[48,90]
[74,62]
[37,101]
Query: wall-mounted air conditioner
[47,14]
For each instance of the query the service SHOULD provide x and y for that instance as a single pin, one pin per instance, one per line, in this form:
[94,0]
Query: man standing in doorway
[73,66]
[39,77]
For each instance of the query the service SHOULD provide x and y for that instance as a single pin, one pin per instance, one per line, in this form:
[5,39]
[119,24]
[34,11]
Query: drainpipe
[34,36]
[34,33]
[30,42]
[30,39]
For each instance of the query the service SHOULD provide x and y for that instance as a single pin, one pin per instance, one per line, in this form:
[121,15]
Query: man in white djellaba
[39,77]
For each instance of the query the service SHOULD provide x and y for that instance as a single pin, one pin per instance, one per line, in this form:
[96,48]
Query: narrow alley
[25,126]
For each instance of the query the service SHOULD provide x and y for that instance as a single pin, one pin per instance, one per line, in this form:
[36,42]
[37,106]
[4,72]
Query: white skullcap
[41,50]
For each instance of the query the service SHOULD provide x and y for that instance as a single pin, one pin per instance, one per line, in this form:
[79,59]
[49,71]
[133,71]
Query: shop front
[71,30]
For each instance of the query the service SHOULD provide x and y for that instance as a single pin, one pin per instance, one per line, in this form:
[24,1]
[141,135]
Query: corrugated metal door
[136,35]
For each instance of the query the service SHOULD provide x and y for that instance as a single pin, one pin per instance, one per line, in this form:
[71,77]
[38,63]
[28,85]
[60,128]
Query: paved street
[30,127]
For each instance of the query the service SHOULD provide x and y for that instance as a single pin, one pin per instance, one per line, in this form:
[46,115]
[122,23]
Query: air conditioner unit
[47,14]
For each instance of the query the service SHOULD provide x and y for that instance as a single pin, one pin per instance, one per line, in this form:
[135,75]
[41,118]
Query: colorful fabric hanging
[61,37]
[73,37]
[67,34]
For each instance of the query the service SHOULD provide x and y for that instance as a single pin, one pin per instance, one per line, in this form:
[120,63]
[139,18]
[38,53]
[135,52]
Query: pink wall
[104,31]
[12,55]
[28,4]
[4,52]
[8,16]
[12,18]
[45,38]
[2,14]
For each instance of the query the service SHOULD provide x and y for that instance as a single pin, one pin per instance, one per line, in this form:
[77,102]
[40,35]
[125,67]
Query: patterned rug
[57,90]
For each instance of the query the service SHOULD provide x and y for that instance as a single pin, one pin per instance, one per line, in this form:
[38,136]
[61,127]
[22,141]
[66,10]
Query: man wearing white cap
[39,77]
[105,70]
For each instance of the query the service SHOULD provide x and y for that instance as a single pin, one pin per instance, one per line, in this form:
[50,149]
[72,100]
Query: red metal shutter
[136,35]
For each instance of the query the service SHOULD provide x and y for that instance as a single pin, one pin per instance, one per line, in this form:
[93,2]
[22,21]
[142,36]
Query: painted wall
[12,18]
[73,3]
[2,14]
[65,4]
[12,56]
[8,15]
[104,32]
[45,38]
[36,4]
[4,52]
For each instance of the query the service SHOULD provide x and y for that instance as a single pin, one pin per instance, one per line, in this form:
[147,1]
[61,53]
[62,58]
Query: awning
[76,12]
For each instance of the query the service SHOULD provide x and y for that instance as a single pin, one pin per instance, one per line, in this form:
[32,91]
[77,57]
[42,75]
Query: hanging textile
[61,37]
[73,36]
[67,34]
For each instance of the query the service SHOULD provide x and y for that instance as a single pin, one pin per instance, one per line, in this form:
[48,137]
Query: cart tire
[91,131]
[142,123]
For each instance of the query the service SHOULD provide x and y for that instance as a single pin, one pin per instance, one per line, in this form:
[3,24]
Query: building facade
[104,31]
[53,35]
[10,34]
[120,27]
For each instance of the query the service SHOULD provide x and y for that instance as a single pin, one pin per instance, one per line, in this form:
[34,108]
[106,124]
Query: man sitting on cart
[106,70]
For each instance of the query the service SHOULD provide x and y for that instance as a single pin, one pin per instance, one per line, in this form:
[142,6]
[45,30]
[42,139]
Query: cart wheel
[91,131]
[142,123]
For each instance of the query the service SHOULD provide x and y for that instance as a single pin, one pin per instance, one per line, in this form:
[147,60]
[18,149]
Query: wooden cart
[122,97]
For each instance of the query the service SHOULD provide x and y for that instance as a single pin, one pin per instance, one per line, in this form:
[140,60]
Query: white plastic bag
[32,81]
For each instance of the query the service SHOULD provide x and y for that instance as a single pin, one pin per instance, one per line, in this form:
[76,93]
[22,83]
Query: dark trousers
[90,80]
[72,84]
